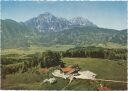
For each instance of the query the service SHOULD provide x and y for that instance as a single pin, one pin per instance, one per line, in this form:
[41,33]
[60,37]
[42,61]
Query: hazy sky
[104,14]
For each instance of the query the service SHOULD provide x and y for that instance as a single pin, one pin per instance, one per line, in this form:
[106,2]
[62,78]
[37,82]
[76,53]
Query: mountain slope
[14,34]
[120,38]
[81,36]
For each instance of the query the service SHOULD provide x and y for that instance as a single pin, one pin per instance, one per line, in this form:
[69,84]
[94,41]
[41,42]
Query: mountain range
[47,29]
[47,22]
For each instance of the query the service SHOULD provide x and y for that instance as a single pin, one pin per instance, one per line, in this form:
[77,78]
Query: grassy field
[40,48]
[105,69]
[34,48]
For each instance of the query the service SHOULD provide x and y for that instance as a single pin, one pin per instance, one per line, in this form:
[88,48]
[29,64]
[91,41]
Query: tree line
[97,52]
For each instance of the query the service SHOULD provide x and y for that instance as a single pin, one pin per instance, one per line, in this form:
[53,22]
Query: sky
[112,15]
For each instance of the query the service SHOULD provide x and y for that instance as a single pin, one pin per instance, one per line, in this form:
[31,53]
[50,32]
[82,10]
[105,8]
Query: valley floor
[105,69]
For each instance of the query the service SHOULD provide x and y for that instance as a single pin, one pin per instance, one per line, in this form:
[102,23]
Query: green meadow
[104,68]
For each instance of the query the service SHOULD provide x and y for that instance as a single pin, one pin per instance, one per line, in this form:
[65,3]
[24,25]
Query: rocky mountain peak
[80,21]
[48,22]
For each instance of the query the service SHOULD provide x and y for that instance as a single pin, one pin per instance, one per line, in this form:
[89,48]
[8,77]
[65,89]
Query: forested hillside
[15,34]
[84,36]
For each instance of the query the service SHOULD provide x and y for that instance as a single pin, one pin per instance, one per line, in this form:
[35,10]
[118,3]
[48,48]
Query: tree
[50,59]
